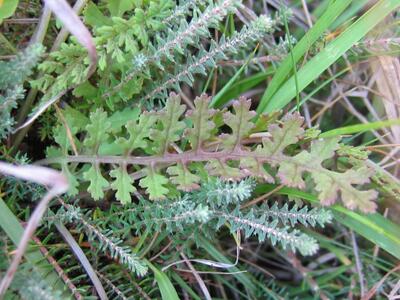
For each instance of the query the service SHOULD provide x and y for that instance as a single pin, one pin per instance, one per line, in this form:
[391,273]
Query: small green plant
[180,186]
[13,74]
[147,141]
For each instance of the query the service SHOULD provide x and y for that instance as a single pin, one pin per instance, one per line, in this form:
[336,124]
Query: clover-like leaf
[202,125]
[183,178]
[97,182]
[171,127]
[154,184]
[123,184]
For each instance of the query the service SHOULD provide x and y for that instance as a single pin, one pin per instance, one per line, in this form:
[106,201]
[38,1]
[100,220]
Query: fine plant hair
[146,144]
[12,76]
[171,168]
[201,212]
[106,240]
[136,65]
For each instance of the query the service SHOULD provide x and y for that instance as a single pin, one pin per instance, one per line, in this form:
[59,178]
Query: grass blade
[332,52]
[301,48]
[359,128]
[167,289]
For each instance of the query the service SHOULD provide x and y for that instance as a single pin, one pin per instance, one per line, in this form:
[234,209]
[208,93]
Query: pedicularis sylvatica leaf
[166,150]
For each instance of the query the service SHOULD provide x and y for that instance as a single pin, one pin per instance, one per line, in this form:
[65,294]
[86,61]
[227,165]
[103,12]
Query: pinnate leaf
[123,184]
[154,184]
[97,182]
[183,178]
[202,125]
[171,127]
[328,183]
[97,130]
[240,123]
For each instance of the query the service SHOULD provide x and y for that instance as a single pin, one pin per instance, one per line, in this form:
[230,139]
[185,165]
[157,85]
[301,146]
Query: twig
[57,268]
[262,197]
[358,263]
[198,278]
[41,175]
[305,273]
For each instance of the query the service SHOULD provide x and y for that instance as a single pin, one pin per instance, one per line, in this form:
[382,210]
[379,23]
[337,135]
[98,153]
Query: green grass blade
[14,230]
[331,53]
[323,23]
[218,256]
[185,286]
[373,227]
[216,101]
[359,128]
[241,86]
[167,289]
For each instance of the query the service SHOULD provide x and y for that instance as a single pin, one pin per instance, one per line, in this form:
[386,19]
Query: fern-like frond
[208,59]
[106,240]
[166,154]
[296,215]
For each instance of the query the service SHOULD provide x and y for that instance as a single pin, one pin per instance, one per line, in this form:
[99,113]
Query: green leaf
[329,183]
[118,7]
[373,227]
[97,182]
[239,122]
[123,184]
[131,88]
[140,28]
[330,54]
[359,128]
[220,168]
[138,133]
[171,126]
[7,8]
[12,227]
[154,184]
[167,290]
[72,181]
[282,136]
[202,125]
[183,178]
[97,130]
[301,48]
[94,17]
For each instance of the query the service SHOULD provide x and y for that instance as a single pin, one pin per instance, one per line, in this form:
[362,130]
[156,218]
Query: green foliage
[12,76]
[170,174]
[217,203]
[7,8]
[105,239]
[231,159]
[134,49]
